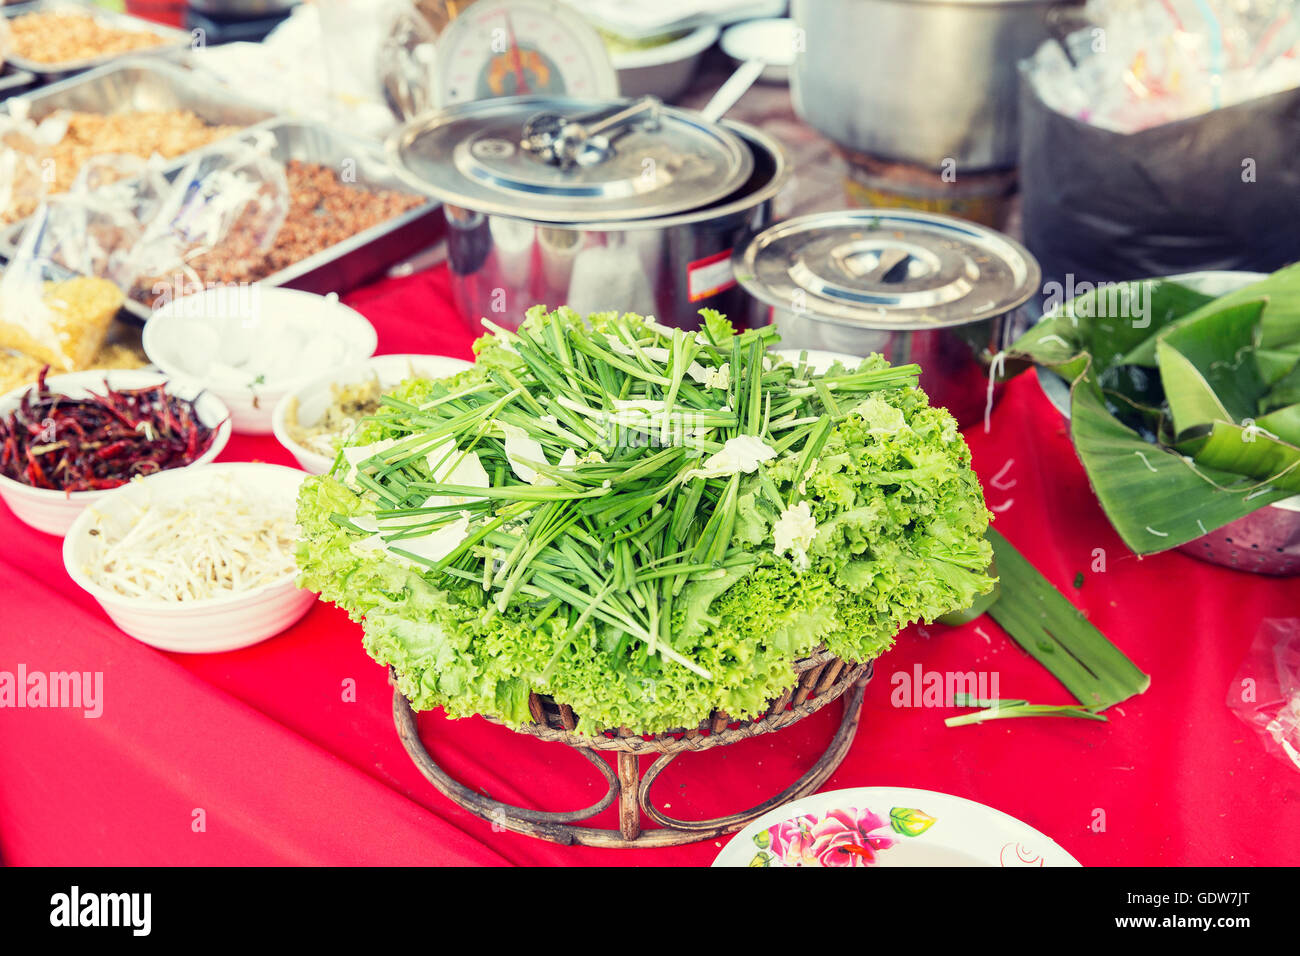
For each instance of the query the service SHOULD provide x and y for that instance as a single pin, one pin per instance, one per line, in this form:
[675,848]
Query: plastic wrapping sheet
[233,198]
[1266,691]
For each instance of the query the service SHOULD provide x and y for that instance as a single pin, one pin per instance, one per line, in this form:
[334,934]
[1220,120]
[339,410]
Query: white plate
[889,826]
[204,626]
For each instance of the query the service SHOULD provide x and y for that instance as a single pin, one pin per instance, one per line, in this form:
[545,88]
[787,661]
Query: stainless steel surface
[358,259]
[174,40]
[910,286]
[888,269]
[1266,541]
[471,156]
[13,82]
[243,9]
[669,267]
[729,94]
[919,81]
[146,85]
[368,254]
[586,138]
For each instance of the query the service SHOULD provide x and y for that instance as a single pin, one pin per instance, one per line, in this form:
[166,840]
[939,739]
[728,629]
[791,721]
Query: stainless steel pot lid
[564,160]
[887,269]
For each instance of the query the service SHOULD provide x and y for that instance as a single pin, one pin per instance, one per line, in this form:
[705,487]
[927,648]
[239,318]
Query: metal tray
[13,82]
[135,84]
[174,40]
[367,255]
[357,259]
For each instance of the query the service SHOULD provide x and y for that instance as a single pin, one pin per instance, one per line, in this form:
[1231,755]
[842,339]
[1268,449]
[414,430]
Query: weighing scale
[519,47]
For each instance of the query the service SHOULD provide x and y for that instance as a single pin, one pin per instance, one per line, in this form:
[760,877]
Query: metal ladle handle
[563,141]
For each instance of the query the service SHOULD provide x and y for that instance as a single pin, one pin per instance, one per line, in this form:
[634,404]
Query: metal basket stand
[822,679]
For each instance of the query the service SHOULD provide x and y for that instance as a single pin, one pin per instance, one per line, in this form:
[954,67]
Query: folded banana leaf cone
[1184,408]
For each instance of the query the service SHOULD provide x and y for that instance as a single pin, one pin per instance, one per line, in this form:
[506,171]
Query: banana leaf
[1208,369]
[1238,450]
[1279,326]
[1162,402]
[1192,402]
[1106,325]
[1284,423]
[1154,496]
[1285,391]
[1055,633]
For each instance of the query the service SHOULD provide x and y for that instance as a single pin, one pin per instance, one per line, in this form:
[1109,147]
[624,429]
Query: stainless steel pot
[911,286]
[669,265]
[917,81]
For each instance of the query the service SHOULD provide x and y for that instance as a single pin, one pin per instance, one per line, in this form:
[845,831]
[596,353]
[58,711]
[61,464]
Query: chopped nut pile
[54,37]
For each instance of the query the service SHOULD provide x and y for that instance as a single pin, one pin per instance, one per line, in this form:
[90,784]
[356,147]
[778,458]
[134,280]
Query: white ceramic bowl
[54,511]
[252,344]
[771,40]
[315,396]
[203,626]
[666,70]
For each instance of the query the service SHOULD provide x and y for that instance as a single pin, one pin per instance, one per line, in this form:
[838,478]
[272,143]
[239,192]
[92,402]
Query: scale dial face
[520,47]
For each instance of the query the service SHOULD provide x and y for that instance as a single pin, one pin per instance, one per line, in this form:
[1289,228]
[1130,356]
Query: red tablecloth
[285,769]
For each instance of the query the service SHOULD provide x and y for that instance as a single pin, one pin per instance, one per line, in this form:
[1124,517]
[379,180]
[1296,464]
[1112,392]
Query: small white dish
[889,826]
[315,396]
[771,40]
[252,344]
[54,511]
[204,626]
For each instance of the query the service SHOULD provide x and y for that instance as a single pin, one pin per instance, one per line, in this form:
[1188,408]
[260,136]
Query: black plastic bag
[1216,191]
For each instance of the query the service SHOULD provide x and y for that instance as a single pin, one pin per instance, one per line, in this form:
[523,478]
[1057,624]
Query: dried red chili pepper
[101,441]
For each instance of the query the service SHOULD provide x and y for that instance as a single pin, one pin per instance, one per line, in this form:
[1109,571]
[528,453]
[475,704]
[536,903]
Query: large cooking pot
[642,218]
[911,286]
[917,81]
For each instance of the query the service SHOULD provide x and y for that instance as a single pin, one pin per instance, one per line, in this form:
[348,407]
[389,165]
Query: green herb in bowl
[645,524]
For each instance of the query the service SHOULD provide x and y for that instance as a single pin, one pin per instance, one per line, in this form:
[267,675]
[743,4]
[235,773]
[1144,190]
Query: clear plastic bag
[216,223]
[406,64]
[85,235]
[361,66]
[27,323]
[1140,64]
[56,319]
[1266,691]
[126,182]
[26,164]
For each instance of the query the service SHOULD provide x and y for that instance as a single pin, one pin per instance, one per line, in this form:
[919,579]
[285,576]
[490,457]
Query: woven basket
[821,679]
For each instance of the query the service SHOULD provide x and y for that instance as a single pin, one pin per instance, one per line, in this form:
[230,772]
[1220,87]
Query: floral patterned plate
[889,826]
